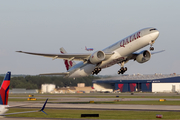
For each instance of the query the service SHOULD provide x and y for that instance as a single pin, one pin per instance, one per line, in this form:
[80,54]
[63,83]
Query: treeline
[34,82]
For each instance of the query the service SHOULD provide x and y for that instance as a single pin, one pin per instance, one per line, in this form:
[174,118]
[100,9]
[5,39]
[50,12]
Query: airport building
[47,88]
[80,88]
[139,83]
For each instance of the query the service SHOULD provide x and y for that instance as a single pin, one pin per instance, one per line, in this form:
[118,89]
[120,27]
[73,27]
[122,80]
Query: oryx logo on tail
[68,63]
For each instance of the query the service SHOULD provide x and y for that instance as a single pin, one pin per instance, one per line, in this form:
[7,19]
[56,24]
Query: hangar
[139,83]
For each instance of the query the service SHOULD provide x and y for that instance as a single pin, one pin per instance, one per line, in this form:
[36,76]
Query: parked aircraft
[118,53]
[88,49]
[4,93]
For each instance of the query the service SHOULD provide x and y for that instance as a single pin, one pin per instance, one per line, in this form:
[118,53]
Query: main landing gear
[96,71]
[122,69]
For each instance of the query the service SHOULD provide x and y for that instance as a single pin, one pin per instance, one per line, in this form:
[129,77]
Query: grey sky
[46,25]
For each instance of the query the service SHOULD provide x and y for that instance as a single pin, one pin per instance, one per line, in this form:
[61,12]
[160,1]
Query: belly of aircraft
[84,71]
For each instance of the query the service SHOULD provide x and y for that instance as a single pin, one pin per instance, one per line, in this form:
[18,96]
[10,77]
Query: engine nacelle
[97,57]
[143,56]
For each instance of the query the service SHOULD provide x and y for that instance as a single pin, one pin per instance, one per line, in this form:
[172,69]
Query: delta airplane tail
[4,93]
[68,63]
[4,90]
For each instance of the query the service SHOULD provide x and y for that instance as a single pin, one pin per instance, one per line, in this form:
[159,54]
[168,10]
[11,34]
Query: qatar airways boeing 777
[118,53]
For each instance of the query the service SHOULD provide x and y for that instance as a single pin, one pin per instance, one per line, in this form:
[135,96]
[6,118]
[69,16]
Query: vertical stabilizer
[4,90]
[68,63]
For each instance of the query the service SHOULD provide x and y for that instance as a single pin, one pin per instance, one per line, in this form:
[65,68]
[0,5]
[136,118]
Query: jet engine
[143,56]
[97,57]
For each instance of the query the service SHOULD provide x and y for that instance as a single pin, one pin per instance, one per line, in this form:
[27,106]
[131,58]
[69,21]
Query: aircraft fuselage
[121,50]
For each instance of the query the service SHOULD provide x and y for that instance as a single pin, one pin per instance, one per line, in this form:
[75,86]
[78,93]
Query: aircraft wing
[157,52]
[18,113]
[18,105]
[41,110]
[66,73]
[134,55]
[79,57]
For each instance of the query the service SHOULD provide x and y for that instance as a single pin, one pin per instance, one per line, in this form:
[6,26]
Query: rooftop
[141,77]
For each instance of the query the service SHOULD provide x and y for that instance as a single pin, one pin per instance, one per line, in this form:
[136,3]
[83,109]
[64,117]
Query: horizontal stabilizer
[66,73]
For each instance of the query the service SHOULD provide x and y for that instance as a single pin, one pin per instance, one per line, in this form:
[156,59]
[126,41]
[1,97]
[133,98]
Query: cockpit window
[152,29]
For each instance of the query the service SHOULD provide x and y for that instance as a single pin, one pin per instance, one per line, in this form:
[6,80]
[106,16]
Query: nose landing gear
[151,45]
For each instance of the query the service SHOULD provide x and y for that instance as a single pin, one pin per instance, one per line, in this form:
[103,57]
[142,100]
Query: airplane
[118,53]
[4,93]
[88,49]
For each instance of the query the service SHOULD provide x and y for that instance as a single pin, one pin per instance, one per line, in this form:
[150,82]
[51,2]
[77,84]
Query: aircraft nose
[155,35]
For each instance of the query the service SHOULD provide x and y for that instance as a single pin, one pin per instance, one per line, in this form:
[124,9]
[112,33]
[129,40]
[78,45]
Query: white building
[47,88]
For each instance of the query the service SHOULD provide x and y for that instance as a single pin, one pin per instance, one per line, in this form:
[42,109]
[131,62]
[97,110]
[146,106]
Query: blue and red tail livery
[88,49]
[4,90]
[4,93]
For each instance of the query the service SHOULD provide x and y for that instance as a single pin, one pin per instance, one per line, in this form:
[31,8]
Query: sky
[46,25]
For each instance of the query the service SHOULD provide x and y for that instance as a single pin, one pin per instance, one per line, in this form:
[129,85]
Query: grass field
[102,95]
[103,114]
[23,99]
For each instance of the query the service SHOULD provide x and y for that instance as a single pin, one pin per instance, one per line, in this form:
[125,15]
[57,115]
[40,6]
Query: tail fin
[68,63]
[4,90]
[42,109]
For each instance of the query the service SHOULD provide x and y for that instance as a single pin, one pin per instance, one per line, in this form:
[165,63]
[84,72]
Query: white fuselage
[3,109]
[121,50]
